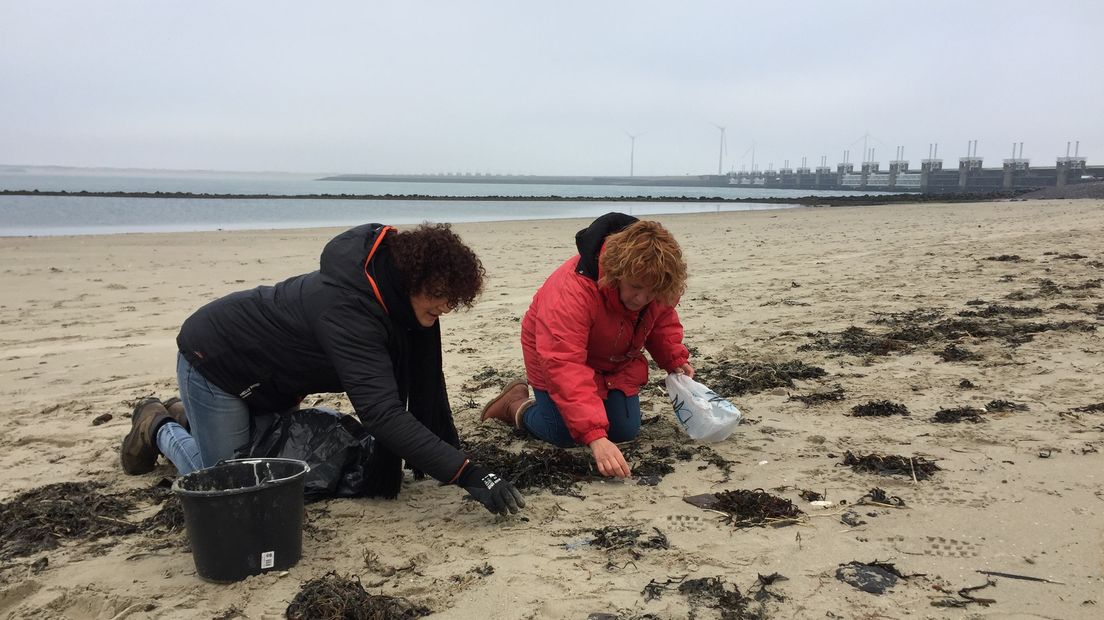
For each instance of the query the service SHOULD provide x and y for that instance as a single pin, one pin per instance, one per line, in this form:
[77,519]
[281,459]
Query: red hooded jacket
[580,341]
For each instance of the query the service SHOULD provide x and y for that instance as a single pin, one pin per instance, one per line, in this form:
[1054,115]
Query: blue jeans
[219,421]
[544,420]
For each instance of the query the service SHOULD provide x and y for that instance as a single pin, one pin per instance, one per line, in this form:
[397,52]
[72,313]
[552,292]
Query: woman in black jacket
[366,323]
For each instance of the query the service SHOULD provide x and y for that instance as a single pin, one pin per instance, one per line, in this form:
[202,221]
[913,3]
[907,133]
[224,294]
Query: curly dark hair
[434,261]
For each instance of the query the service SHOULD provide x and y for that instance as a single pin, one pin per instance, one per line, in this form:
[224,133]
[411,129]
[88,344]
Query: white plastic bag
[704,415]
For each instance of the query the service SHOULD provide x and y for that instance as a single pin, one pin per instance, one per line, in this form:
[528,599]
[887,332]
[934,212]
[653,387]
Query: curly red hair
[645,253]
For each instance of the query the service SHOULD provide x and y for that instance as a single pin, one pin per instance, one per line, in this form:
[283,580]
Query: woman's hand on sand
[685,369]
[609,459]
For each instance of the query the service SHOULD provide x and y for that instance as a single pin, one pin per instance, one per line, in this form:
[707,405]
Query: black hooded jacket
[326,331]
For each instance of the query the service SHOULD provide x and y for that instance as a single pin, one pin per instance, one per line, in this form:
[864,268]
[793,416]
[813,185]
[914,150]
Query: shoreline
[830,200]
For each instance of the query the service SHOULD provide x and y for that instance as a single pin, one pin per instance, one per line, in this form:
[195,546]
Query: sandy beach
[990,311]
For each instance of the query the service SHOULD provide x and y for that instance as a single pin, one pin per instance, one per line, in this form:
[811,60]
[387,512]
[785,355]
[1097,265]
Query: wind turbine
[632,150]
[722,150]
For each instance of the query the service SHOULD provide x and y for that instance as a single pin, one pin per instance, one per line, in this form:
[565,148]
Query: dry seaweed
[1001,406]
[1047,288]
[958,414]
[711,592]
[878,496]
[488,376]
[729,378]
[966,597]
[1093,408]
[755,508]
[855,341]
[879,408]
[558,471]
[614,537]
[993,310]
[655,589]
[1005,258]
[331,597]
[38,519]
[819,398]
[890,465]
[955,353]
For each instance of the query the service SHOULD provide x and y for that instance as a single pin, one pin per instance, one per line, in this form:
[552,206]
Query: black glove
[496,494]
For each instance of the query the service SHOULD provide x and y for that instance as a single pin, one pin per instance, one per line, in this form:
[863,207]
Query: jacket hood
[343,258]
[590,239]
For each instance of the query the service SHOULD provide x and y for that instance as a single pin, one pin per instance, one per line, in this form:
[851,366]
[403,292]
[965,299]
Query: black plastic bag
[337,447]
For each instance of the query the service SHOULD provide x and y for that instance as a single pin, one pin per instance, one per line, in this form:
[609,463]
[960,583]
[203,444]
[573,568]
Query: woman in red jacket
[585,334]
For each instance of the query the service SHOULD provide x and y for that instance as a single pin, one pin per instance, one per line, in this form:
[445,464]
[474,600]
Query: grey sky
[542,88]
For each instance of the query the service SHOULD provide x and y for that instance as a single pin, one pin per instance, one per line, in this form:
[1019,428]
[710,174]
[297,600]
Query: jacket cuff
[597,433]
[676,363]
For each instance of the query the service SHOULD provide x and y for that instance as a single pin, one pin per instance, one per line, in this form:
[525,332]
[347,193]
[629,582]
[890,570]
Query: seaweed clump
[856,341]
[819,398]
[879,408]
[331,597]
[711,592]
[955,353]
[755,508]
[729,378]
[558,471]
[38,519]
[958,414]
[1001,406]
[889,465]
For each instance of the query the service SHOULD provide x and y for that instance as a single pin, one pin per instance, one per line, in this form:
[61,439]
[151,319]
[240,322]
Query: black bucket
[244,516]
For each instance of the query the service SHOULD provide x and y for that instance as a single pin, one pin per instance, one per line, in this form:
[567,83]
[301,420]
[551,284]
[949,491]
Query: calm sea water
[76,215]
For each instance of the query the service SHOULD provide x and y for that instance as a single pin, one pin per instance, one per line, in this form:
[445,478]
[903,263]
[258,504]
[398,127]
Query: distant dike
[827,201]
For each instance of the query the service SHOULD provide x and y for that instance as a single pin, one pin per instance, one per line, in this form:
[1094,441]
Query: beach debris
[101,419]
[710,456]
[655,589]
[994,310]
[1047,288]
[879,408]
[955,353]
[958,414]
[811,496]
[1005,258]
[487,377]
[966,384]
[1002,406]
[39,519]
[332,597]
[888,465]
[966,597]
[711,592]
[878,496]
[558,471]
[819,398]
[1073,256]
[230,613]
[873,577]
[748,508]
[993,573]
[615,538]
[852,519]
[1093,408]
[855,341]
[731,378]
[759,589]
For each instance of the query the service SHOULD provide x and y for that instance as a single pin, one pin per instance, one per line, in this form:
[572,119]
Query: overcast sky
[542,87]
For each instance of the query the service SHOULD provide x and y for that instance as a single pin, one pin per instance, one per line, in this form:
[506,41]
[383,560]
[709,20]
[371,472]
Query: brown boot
[139,451]
[175,407]
[506,406]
